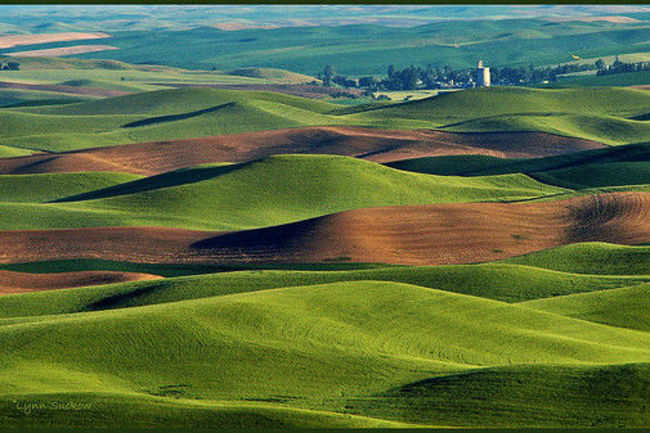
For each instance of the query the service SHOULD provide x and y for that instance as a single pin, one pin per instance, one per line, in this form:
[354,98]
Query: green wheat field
[215,238]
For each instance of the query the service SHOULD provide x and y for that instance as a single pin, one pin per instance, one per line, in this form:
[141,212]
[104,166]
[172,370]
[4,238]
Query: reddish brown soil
[135,244]
[415,235]
[9,41]
[63,51]
[304,90]
[90,91]
[617,19]
[443,234]
[20,282]
[373,144]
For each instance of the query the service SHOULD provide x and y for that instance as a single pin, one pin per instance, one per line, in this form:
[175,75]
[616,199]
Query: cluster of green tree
[10,66]
[619,67]
[434,77]
[518,76]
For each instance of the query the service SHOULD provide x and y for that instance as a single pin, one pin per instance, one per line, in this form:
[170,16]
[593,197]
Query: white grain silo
[482,75]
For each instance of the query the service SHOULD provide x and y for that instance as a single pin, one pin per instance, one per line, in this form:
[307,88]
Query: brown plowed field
[134,244]
[416,235]
[20,282]
[303,90]
[443,234]
[63,51]
[9,41]
[371,144]
[90,91]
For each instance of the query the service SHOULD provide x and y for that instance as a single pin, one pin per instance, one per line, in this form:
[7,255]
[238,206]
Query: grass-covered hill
[369,48]
[602,114]
[48,187]
[502,282]
[179,101]
[135,76]
[626,307]
[618,166]
[591,258]
[606,129]
[51,81]
[452,107]
[274,75]
[317,347]
[25,97]
[10,152]
[521,396]
[270,191]
[158,115]
[274,317]
[622,79]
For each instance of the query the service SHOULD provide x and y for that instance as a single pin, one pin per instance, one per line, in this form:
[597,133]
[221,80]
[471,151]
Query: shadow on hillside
[174,117]
[165,180]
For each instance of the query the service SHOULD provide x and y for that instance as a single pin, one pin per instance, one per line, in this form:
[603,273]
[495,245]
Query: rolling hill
[602,115]
[591,258]
[372,144]
[52,186]
[587,113]
[315,347]
[216,242]
[502,282]
[625,307]
[18,282]
[591,397]
[426,234]
[365,48]
[271,191]
[622,79]
[618,166]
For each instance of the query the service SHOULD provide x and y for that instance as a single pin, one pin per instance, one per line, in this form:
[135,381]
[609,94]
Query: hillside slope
[306,346]
[271,191]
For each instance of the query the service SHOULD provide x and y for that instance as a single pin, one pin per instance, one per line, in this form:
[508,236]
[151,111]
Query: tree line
[618,67]
[435,77]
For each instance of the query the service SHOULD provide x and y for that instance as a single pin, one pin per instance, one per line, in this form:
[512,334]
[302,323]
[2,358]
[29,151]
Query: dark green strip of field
[619,166]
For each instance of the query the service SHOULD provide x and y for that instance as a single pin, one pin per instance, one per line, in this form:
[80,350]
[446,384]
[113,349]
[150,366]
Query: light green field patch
[51,186]
[591,258]
[626,307]
[10,152]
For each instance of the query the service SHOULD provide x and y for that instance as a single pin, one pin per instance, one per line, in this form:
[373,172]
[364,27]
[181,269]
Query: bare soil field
[63,51]
[21,282]
[8,41]
[90,91]
[616,19]
[135,244]
[304,90]
[412,235]
[443,234]
[372,144]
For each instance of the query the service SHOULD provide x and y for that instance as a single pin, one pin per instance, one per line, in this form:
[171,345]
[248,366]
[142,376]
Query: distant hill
[362,47]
